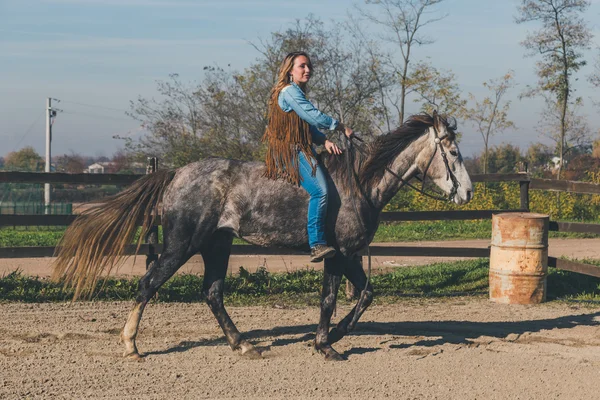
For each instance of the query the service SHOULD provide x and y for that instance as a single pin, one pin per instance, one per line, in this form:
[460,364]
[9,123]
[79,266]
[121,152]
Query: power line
[94,106]
[28,130]
[97,116]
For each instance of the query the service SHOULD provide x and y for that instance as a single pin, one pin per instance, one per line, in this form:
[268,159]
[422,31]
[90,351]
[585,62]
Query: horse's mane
[380,153]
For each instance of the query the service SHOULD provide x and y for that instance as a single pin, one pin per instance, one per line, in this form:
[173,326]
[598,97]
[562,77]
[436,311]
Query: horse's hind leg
[216,258]
[177,251]
[332,276]
[356,275]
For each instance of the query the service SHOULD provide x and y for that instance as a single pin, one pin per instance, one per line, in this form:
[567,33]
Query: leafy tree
[596,148]
[437,90]
[538,158]
[581,166]
[504,159]
[559,42]
[26,159]
[490,115]
[403,20]
[1,162]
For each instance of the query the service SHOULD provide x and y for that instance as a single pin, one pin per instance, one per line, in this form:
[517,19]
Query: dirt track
[462,348]
[458,348]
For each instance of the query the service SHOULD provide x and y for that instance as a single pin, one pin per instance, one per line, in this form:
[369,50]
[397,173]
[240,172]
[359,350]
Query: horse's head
[442,163]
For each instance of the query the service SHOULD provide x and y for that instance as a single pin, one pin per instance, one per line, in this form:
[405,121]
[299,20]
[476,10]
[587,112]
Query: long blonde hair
[286,133]
[283,76]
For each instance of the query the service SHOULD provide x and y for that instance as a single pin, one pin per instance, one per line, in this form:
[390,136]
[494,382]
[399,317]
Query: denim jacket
[292,98]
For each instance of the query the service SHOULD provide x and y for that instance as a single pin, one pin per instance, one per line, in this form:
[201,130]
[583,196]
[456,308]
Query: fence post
[152,236]
[524,187]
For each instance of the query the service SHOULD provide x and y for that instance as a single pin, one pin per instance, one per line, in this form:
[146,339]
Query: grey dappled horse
[207,203]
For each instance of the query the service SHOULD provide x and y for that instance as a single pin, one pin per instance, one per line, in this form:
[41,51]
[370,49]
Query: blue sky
[97,55]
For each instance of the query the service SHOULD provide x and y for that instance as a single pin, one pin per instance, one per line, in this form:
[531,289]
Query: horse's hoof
[250,351]
[135,356]
[329,353]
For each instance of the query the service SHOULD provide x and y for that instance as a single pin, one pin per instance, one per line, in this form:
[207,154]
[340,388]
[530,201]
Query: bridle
[449,174]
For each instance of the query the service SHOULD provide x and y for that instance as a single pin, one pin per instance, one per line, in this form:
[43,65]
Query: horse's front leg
[356,275]
[332,276]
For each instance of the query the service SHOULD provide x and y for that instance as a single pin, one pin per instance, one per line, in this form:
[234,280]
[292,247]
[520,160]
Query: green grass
[10,237]
[387,232]
[303,287]
[447,230]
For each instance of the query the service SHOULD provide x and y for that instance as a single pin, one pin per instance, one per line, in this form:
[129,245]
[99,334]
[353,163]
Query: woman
[293,127]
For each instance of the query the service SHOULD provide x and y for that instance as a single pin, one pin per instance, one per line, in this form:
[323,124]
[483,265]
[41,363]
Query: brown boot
[321,251]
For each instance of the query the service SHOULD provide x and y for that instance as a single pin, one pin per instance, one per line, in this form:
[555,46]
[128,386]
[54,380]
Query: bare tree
[559,42]
[490,115]
[594,78]
[571,134]
[72,163]
[403,19]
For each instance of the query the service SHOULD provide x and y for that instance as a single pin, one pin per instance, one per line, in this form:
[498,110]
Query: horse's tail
[97,238]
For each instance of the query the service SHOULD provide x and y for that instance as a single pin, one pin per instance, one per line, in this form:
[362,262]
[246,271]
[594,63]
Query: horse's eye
[454,153]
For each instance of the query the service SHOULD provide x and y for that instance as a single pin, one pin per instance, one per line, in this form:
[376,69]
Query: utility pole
[49,115]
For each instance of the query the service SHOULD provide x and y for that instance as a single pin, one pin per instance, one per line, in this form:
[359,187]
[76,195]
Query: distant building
[96,168]
[110,167]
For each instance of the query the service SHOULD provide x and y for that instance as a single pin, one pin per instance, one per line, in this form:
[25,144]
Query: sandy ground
[459,348]
[573,248]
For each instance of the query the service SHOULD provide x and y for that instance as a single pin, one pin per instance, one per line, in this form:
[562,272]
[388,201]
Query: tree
[504,159]
[226,113]
[596,148]
[570,133]
[559,42]
[595,76]
[403,20]
[490,115]
[120,163]
[1,162]
[538,157]
[437,90]
[71,163]
[26,159]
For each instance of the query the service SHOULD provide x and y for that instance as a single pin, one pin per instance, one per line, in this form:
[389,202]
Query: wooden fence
[526,183]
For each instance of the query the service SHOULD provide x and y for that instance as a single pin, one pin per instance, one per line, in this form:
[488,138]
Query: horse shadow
[430,333]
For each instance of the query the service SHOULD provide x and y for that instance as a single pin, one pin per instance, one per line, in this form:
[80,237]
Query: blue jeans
[316,186]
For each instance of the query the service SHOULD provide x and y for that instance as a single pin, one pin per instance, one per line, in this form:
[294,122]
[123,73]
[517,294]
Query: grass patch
[388,232]
[303,287]
[448,230]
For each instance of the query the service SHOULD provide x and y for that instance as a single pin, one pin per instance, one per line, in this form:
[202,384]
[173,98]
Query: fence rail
[526,183]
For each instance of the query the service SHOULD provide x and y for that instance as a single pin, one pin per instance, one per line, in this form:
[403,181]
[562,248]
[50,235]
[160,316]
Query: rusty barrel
[519,258]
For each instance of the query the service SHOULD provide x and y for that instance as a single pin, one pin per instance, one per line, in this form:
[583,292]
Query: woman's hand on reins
[332,148]
[347,131]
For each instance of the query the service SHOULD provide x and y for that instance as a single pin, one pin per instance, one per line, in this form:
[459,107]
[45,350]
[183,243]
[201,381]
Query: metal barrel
[519,258]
